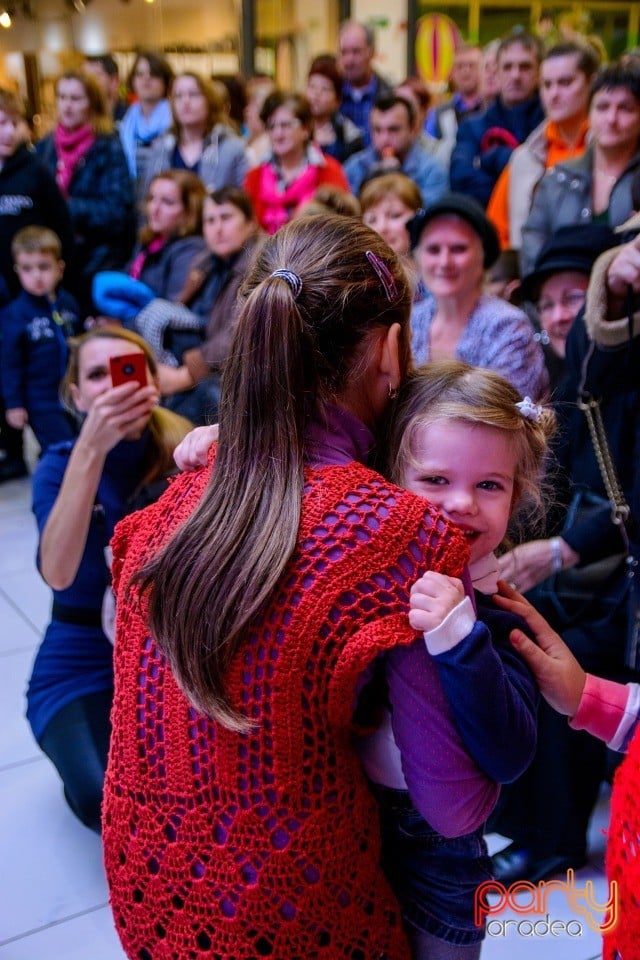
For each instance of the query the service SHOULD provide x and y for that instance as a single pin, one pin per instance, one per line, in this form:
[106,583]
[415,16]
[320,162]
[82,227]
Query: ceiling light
[5,19]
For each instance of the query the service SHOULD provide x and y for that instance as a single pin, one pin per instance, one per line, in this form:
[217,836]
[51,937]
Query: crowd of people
[414,326]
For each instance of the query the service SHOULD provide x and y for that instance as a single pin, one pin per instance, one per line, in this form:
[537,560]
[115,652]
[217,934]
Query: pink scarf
[280,205]
[138,262]
[71,146]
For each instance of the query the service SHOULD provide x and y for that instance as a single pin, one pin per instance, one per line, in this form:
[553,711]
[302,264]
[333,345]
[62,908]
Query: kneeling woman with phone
[81,489]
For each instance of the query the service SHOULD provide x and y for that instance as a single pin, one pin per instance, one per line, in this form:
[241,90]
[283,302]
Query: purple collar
[337,438]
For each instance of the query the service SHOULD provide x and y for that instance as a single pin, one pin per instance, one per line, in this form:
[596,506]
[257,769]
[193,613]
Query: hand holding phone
[128,367]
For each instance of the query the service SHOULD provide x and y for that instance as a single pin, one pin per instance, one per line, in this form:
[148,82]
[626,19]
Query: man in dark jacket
[485,141]
[362,85]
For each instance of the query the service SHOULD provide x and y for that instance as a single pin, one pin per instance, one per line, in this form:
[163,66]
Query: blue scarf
[135,129]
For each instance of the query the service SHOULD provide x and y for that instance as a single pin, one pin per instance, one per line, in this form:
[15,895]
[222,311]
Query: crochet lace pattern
[265,844]
[623,856]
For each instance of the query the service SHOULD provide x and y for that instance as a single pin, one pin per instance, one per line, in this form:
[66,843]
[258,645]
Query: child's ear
[61,266]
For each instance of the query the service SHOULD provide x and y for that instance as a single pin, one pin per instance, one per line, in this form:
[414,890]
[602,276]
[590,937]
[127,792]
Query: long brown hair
[167,429]
[290,355]
[215,105]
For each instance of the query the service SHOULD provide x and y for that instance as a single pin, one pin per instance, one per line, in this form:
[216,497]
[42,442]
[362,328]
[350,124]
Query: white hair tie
[529,410]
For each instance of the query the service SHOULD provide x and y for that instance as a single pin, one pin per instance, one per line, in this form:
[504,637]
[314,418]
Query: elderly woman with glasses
[296,167]
[557,287]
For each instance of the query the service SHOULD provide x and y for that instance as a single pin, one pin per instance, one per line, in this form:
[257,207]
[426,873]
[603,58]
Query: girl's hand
[433,597]
[560,677]
[119,412]
[193,452]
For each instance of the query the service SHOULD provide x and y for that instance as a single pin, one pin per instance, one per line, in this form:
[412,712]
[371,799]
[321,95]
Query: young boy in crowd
[35,327]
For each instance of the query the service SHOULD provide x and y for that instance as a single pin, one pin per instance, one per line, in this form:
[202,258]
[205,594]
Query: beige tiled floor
[53,893]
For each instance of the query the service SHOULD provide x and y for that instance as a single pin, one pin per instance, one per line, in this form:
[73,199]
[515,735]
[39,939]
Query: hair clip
[384,275]
[292,279]
[529,410]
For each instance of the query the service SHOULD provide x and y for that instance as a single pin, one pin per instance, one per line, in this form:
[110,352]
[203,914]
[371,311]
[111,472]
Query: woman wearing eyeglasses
[296,167]
[557,287]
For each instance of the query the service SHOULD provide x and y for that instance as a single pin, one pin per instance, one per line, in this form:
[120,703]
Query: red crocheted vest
[238,846]
[623,857]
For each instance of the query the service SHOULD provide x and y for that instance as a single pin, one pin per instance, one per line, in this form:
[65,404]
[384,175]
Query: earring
[393,392]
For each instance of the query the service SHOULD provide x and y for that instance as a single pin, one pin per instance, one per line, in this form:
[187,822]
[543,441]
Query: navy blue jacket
[101,205]
[492,694]
[29,196]
[476,166]
[34,349]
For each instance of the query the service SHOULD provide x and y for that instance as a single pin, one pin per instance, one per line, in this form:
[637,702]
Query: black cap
[572,247]
[467,208]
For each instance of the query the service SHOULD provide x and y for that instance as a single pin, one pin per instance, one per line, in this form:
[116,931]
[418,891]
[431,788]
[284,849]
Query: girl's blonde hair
[167,429]
[452,390]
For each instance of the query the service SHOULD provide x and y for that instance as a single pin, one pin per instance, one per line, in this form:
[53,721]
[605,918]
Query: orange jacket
[554,150]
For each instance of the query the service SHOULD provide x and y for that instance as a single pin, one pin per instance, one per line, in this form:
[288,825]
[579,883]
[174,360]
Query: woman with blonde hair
[388,202]
[89,165]
[81,489]
[200,139]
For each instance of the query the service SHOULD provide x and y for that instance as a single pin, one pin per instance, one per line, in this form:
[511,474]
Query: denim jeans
[434,877]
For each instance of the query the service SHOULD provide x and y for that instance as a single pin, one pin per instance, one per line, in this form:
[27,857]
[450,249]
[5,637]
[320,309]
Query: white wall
[391,39]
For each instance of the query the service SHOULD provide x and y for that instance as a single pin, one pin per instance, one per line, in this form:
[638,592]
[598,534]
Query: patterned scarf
[281,204]
[71,146]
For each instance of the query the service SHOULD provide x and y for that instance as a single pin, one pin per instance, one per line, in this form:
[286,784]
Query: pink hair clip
[384,275]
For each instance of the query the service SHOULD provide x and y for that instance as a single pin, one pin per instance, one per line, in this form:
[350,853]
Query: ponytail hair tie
[384,275]
[291,279]
[529,410]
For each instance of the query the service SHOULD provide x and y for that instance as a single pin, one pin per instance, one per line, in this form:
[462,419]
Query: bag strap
[590,406]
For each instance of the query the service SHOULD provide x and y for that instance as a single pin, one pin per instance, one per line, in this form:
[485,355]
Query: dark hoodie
[29,196]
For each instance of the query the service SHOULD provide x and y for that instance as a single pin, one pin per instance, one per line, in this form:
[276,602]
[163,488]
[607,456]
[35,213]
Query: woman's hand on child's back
[433,597]
[193,451]
[118,413]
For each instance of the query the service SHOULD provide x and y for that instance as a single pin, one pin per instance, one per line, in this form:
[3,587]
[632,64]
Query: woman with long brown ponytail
[253,600]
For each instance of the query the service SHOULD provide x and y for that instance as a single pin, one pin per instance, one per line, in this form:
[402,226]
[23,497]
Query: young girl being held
[462,438]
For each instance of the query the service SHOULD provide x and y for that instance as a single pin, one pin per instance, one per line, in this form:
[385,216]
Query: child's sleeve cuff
[457,625]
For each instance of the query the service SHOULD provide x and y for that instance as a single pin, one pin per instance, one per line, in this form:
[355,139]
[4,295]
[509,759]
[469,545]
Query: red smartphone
[128,366]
